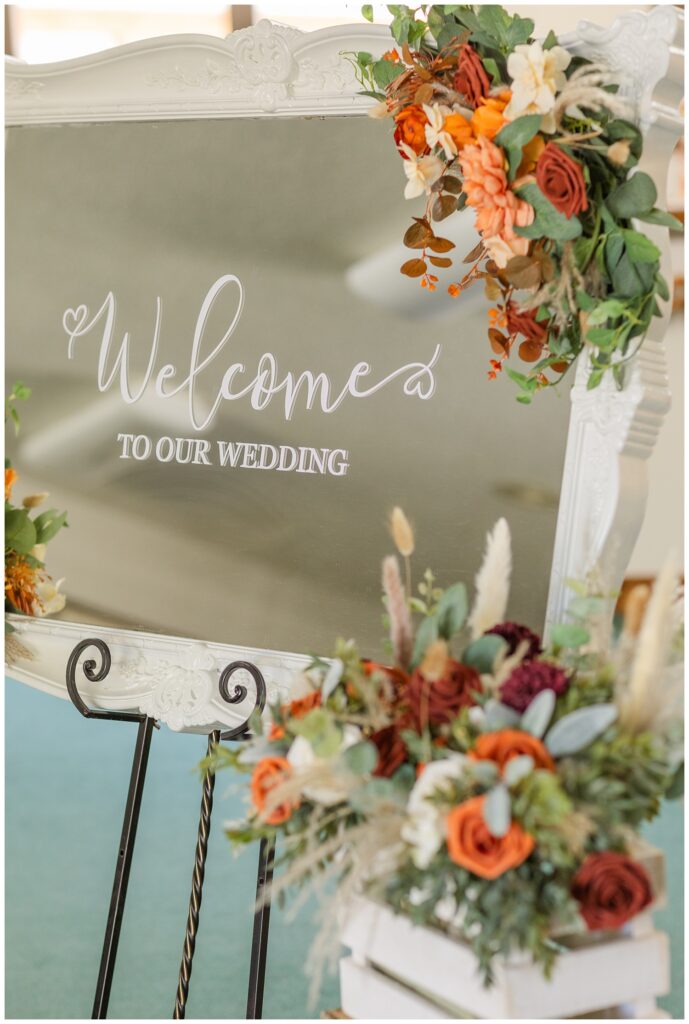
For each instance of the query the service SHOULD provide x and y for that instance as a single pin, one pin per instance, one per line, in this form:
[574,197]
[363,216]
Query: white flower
[435,129]
[301,755]
[379,110]
[421,171]
[425,828]
[38,552]
[50,600]
[537,75]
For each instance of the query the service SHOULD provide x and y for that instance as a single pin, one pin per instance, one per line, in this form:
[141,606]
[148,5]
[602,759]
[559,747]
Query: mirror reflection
[232,384]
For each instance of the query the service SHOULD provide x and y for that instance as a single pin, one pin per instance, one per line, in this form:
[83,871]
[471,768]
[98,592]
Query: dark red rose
[392,751]
[432,702]
[514,635]
[561,180]
[528,680]
[611,889]
[471,78]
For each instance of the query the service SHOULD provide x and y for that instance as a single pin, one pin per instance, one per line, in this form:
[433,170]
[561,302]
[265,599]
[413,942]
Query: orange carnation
[410,128]
[488,118]
[268,773]
[10,480]
[459,129]
[472,846]
[505,744]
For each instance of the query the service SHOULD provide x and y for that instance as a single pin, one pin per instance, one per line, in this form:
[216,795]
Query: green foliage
[548,222]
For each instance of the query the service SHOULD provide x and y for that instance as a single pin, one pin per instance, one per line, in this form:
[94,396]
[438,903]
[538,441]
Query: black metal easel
[259,944]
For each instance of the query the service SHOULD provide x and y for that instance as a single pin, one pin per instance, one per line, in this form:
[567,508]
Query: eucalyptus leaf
[497,811]
[498,716]
[537,716]
[633,197]
[20,532]
[452,610]
[426,634]
[386,71]
[485,772]
[548,222]
[662,217]
[579,729]
[569,634]
[639,248]
[515,135]
[517,768]
[360,758]
[48,524]
[482,654]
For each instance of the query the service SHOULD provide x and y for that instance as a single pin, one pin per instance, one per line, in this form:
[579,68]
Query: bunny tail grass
[492,581]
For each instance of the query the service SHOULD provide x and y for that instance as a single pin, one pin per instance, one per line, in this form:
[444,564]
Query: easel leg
[124,862]
[196,886]
[259,942]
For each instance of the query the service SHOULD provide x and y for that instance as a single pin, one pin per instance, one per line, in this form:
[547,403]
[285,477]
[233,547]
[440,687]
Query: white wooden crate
[406,963]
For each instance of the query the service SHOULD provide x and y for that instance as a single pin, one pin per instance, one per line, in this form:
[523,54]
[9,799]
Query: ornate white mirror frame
[276,71]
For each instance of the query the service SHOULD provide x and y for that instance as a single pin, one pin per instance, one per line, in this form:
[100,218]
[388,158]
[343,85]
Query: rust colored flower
[488,118]
[10,480]
[433,702]
[276,732]
[561,180]
[528,680]
[611,888]
[471,78]
[505,744]
[472,846]
[392,751]
[514,634]
[410,128]
[269,772]
[524,322]
[302,705]
[21,582]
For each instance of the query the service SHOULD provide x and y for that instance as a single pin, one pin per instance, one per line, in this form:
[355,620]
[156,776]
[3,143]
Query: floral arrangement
[29,590]
[537,143]
[482,782]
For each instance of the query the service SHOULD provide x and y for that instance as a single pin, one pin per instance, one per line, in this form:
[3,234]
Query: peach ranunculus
[471,845]
[503,745]
[460,130]
[501,250]
[488,118]
[410,129]
[268,773]
[10,480]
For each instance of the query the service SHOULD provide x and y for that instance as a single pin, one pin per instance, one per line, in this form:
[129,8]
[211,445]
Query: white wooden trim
[277,71]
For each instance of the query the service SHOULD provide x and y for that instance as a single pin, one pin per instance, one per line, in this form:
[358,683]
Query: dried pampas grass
[401,631]
[492,581]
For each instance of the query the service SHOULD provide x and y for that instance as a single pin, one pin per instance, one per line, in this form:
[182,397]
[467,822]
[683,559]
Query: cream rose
[537,75]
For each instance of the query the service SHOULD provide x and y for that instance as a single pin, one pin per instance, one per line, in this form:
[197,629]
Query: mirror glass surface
[245,254]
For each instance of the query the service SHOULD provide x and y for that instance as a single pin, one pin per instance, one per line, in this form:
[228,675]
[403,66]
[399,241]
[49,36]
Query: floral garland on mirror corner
[481,782]
[538,143]
[29,590]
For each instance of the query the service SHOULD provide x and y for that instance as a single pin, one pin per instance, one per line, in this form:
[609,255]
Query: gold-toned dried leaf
[475,254]
[498,342]
[523,272]
[414,268]
[440,261]
[441,244]
[443,207]
[492,289]
[492,268]
[451,184]
[416,236]
[424,94]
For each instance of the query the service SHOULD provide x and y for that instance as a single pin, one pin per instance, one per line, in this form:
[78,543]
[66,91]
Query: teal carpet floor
[66,783]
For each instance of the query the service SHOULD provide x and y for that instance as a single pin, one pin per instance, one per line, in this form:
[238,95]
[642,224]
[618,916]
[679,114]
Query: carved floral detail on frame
[181,693]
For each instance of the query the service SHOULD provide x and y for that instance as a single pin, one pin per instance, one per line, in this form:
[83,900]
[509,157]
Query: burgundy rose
[471,78]
[514,635]
[528,680]
[561,180]
[432,702]
[392,751]
[611,888]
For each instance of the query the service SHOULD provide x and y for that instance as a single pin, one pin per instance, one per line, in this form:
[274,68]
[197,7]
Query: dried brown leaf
[498,342]
[414,268]
[417,235]
[523,272]
[424,94]
[443,207]
[440,261]
[451,184]
[475,254]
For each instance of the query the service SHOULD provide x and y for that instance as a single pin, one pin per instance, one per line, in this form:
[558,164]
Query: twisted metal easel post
[238,694]
[131,811]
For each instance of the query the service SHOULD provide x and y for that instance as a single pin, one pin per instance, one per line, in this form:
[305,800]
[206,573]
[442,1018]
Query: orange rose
[472,846]
[302,705]
[10,480]
[505,744]
[269,772]
[411,129]
[488,118]
[276,732]
[459,129]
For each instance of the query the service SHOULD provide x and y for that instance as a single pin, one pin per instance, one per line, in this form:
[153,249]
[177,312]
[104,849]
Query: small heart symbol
[74,319]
